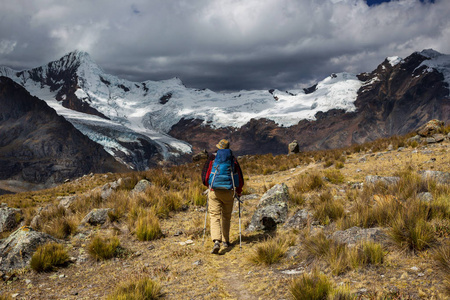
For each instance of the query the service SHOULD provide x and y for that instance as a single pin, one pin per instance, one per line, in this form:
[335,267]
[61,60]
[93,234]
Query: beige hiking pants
[220,209]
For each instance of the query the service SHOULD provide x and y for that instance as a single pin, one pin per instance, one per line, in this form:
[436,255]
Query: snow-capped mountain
[143,122]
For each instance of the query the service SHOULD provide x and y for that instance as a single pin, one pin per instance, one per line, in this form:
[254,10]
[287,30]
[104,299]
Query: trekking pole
[239,206]
[240,234]
[206,215]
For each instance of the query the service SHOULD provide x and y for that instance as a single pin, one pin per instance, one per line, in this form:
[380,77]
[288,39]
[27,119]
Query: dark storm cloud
[223,44]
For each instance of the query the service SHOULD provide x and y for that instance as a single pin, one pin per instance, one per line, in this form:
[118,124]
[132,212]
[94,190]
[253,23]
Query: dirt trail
[235,283]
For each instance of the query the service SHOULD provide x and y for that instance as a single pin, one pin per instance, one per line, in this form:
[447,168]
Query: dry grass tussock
[151,230]
[137,289]
[49,256]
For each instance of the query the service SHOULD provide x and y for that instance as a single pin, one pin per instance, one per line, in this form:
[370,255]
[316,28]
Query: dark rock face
[38,146]
[394,100]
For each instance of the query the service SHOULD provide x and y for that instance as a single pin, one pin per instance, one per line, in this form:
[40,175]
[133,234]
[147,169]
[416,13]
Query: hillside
[331,185]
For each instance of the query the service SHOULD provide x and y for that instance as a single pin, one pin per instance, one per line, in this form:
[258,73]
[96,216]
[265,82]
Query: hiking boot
[216,248]
[226,244]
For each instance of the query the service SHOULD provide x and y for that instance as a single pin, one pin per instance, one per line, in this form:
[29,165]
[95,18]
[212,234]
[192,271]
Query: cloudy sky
[223,44]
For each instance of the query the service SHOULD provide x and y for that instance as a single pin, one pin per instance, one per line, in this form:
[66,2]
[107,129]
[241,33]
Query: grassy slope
[190,272]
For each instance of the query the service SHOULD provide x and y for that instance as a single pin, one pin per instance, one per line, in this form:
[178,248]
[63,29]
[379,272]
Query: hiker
[223,176]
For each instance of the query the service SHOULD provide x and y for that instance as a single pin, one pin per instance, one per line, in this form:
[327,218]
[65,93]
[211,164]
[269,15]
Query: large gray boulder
[299,220]
[141,186]
[272,209]
[387,180]
[438,176]
[66,202]
[97,216]
[354,235]
[17,249]
[9,218]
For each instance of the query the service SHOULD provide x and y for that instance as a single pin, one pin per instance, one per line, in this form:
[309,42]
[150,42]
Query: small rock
[97,216]
[421,274]
[293,272]
[438,137]
[430,140]
[362,291]
[425,197]
[388,180]
[299,219]
[151,247]
[198,262]
[141,186]
[189,242]
[415,269]
[182,243]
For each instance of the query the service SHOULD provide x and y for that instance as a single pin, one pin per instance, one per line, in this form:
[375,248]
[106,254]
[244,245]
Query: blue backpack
[223,175]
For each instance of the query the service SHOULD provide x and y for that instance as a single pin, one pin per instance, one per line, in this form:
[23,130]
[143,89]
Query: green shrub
[148,227]
[316,286]
[49,256]
[103,248]
[138,290]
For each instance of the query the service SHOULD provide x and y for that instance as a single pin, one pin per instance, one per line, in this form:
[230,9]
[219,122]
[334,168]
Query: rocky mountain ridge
[143,123]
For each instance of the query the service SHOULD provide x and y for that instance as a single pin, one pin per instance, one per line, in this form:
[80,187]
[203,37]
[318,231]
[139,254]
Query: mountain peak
[430,53]
[77,57]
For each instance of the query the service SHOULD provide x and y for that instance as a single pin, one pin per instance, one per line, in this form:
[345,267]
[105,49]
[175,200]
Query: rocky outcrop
[272,209]
[293,147]
[38,146]
[201,155]
[431,128]
[16,250]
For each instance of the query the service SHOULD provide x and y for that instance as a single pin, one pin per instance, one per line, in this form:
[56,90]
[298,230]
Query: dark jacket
[207,171]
